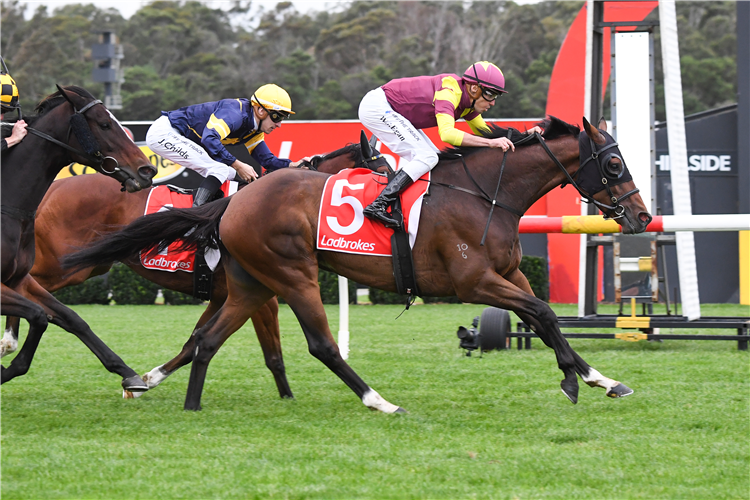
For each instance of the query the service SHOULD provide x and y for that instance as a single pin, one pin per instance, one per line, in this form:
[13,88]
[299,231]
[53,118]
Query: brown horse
[70,126]
[280,257]
[77,210]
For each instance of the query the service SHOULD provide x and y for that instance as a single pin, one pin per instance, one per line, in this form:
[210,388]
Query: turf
[490,427]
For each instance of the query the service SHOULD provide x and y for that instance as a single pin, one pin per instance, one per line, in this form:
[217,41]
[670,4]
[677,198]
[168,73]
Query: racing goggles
[490,94]
[277,116]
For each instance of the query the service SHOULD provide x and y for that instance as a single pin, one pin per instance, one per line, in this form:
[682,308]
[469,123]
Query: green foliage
[129,288]
[378,296]
[92,291]
[173,298]
[495,427]
[180,53]
[329,288]
[536,271]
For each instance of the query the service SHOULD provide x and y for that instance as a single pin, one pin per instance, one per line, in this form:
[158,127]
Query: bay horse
[70,125]
[280,256]
[77,210]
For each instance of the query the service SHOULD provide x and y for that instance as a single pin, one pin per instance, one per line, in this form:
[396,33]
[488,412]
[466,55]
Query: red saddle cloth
[172,260]
[342,227]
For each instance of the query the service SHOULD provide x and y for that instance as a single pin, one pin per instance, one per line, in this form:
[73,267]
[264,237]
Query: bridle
[606,173]
[82,132]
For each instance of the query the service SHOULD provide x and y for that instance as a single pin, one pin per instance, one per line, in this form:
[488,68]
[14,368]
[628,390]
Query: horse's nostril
[645,217]
[147,172]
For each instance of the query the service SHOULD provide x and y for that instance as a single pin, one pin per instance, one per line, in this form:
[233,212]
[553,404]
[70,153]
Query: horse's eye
[105,126]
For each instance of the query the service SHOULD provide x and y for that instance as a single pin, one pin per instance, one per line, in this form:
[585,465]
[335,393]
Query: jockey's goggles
[490,94]
[277,116]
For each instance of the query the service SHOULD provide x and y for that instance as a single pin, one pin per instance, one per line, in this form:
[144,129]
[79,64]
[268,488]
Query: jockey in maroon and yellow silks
[435,101]
[398,111]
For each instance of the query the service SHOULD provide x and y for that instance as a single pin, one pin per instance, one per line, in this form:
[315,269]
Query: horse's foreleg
[498,291]
[9,342]
[67,319]
[266,323]
[13,303]
[588,374]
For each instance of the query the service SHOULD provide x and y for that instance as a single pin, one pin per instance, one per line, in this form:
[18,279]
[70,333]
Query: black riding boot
[377,209]
[206,190]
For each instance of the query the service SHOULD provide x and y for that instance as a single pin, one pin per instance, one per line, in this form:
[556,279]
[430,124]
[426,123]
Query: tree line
[181,53]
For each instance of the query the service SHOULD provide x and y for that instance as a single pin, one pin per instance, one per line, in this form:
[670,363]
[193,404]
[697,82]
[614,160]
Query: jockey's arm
[269,161]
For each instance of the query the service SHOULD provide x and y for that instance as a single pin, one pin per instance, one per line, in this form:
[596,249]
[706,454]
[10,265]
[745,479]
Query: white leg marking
[596,379]
[375,401]
[9,343]
[152,379]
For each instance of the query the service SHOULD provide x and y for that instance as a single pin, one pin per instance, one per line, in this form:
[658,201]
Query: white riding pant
[168,143]
[398,134]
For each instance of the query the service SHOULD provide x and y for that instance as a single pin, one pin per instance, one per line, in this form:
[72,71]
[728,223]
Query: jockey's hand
[18,133]
[301,163]
[503,143]
[244,171]
[534,129]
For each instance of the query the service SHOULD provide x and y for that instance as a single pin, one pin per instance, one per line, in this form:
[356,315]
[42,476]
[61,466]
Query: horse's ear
[592,132]
[65,95]
[364,145]
[602,124]
[373,143]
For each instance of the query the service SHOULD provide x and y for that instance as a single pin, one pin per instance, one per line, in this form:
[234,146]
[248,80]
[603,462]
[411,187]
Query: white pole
[343,317]
[688,273]
[587,113]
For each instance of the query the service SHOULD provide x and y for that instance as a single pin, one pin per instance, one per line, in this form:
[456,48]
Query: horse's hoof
[570,389]
[192,408]
[134,384]
[619,391]
[130,394]
[400,410]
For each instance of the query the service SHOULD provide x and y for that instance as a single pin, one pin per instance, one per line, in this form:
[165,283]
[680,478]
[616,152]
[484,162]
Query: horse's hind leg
[161,372]
[9,342]
[307,306]
[13,303]
[68,320]
[266,323]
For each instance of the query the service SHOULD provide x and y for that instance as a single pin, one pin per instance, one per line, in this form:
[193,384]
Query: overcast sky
[129,7]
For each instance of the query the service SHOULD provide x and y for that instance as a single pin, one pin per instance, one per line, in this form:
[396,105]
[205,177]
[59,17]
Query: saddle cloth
[342,227]
[159,199]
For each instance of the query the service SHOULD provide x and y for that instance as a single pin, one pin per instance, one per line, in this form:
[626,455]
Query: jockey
[8,103]
[398,111]
[195,137]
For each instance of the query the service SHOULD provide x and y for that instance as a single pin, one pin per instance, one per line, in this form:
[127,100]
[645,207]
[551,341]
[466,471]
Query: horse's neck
[536,174]
[29,167]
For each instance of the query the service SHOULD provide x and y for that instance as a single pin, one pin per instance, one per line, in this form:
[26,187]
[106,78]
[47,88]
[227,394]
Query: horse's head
[362,155]
[605,177]
[100,142]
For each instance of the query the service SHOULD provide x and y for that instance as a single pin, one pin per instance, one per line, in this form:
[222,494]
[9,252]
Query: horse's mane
[348,149]
[553,128]
[45,106]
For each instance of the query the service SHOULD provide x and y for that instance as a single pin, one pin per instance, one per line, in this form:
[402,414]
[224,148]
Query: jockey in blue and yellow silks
[398,111]
[196,136]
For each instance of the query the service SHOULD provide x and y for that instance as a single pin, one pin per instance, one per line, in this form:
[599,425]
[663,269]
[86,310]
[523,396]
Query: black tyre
[494,325]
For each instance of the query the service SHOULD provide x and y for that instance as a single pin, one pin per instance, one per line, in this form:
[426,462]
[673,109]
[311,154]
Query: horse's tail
[154,233]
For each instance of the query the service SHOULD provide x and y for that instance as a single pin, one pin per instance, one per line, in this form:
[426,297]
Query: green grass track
[490,427]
